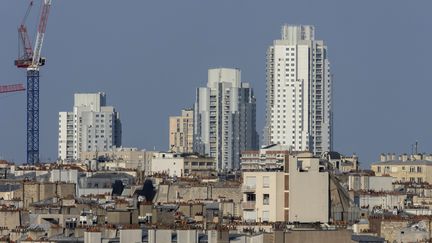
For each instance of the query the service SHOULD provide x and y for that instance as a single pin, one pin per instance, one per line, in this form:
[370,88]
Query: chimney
[382,157]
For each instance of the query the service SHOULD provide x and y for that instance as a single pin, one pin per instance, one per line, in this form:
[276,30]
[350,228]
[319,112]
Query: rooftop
[402,162]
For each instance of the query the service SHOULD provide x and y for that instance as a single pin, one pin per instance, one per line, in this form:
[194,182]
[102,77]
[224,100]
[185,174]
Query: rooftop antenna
[416,147]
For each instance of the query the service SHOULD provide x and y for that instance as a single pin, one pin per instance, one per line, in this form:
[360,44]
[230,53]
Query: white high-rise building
[91,126]
[299,91]
[225,118]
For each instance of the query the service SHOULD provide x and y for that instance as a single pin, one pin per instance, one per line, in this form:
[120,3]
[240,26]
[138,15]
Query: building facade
[281,195]
[91,126]
[270,157]
[120,158]
[181,132]
[340,162]
[415,168]
[299,90]
[225,118]
[178,165]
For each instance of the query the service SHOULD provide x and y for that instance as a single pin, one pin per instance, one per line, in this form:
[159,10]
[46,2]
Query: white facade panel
[89,127]
[298,111]
[224,118]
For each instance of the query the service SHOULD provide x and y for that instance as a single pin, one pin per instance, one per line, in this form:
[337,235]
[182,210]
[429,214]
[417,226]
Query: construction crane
[11,88]
[32,60]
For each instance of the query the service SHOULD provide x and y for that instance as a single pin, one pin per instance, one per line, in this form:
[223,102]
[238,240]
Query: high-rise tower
[225,118]
[299,90]
[90,127]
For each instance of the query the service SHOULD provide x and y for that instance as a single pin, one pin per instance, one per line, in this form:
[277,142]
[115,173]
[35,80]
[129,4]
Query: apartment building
[179,165]
[225,118]
[130,158]
[281,195]
[91,126]
[181,132]
[299,90]
[416,168]
[340,162]
[270,157]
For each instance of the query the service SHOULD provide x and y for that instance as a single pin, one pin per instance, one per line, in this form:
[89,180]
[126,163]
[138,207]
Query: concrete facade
[281,195]
[415,168]
[298,104]
[131,236]
[181,132]
[122,158]
[270,157]
[31,192]
[91,126]
[225,118]
[263,196]
[370,183]
[181,165]
[159,236]
[92,237]
[308,182]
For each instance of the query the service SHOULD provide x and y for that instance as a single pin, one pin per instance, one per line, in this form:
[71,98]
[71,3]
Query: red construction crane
[26,57]
[32,60]
[11,88]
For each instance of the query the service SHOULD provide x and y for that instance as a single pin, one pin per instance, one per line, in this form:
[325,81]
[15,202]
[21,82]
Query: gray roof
[111,175]
[9,187]
[406,162]
[366,238]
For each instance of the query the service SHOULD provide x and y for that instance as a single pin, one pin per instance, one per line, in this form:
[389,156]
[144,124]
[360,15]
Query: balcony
[249,205]
[248,188]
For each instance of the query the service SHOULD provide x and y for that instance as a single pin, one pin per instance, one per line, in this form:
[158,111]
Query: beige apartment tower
[181,132]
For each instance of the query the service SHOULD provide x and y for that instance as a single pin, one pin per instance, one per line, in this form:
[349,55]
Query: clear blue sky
[149,56]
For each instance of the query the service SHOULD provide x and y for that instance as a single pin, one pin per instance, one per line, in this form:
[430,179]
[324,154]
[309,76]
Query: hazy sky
[150,56]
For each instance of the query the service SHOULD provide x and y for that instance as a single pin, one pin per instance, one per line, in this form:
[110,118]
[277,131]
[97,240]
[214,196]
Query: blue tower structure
[32,116]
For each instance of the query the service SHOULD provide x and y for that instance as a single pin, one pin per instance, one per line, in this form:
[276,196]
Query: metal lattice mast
[32,116]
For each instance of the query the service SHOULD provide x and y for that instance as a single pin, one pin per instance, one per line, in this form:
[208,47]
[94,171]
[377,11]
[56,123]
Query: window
[379,168]
[419,180]
[265,216]
[251,197]
[266,181]
[419,169]
[266,199]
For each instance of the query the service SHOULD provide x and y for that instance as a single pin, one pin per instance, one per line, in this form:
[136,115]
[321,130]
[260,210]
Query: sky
[150,56]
